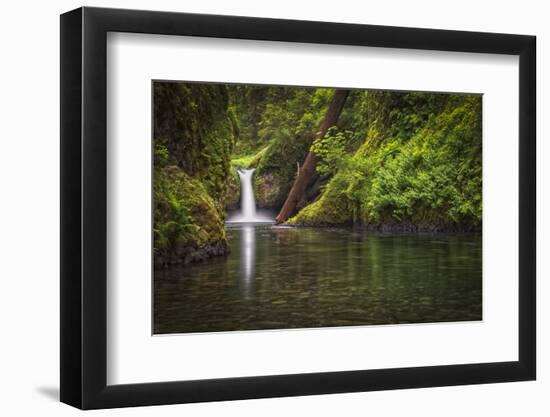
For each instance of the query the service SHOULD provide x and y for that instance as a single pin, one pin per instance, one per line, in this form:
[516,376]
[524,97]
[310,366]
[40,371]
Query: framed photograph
[257,208]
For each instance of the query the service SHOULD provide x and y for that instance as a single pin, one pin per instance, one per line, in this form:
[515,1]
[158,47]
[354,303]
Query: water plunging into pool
[248,213]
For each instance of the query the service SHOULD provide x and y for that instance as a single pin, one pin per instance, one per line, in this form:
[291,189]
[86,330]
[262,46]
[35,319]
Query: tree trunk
[307,170]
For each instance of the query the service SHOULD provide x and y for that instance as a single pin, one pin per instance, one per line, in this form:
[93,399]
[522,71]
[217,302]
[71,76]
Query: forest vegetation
[380,160]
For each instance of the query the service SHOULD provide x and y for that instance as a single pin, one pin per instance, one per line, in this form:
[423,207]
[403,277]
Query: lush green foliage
[393,158]
[420,164]
[331,151]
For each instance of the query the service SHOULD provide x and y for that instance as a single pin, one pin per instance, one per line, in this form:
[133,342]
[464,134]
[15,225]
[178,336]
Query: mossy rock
[267,190]
[188,222]
[331,209]
[233,191]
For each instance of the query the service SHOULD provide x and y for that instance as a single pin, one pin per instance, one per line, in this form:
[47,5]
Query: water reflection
[278,277]
[248,259]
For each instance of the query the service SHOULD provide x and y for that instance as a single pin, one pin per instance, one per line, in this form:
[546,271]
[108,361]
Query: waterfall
[248,213]
[248,203]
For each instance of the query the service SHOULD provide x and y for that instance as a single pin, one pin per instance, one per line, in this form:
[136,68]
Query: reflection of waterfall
[247,213]
[248,259]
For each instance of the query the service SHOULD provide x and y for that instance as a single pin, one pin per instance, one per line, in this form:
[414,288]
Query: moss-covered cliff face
[194,134]
[418,168]
[193,123]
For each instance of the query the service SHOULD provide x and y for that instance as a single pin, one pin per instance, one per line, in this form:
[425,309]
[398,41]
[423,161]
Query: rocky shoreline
[399,227]
[186,255]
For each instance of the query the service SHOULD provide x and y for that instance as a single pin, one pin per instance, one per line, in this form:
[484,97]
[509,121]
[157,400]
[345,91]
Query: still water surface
[280,277]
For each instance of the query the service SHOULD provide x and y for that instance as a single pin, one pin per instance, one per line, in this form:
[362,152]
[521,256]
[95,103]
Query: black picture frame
[84,207]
